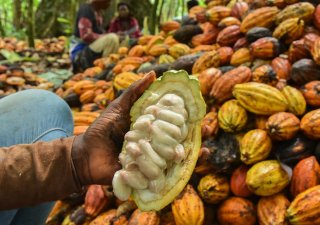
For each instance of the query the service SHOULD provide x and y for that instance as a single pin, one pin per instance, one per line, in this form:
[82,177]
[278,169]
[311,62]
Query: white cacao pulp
[153,145]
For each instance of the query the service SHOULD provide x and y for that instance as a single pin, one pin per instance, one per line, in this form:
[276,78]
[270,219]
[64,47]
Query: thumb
[136,89]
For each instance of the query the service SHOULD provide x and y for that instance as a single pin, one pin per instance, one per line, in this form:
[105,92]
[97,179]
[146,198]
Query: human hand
[95,153]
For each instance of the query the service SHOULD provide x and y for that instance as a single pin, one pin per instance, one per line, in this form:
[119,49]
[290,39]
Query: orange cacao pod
[297,51]
[272,210]
[315,51]
[207,78]
[141,218]
[283,126]
[188,208]
[237,211]
[309,39]
[240,43]
[87,97]
[282,67]
[238,182]
[222,88]
[217,13]
[260,122]
[265,74]
[169,26]
[311,93]
[207,60]
[205,38]
[229,35]
[241,56]
[306,174]
[265,48]
[158,50]
[229,21]
[316,18]
[239,9]
[262,17]
[95,200]
[136,51]
[310,124]
[225,54]
[209,125]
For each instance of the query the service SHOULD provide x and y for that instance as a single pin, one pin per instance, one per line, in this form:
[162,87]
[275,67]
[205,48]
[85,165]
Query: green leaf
[63,20]
[10,55]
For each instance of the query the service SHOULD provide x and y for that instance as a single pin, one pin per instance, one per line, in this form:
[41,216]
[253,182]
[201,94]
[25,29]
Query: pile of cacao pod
[258,64]
[14,78]
[48,45]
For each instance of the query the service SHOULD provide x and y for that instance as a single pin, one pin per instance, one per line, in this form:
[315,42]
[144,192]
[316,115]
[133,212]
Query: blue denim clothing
[27,117]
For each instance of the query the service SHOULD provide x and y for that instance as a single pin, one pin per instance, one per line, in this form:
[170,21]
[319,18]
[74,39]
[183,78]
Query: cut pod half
[174,98]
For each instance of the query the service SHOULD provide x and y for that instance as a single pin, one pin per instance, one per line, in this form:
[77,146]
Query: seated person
[89,41]
[125,24]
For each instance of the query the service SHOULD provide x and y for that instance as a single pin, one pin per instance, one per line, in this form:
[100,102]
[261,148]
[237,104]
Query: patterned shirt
[133,30]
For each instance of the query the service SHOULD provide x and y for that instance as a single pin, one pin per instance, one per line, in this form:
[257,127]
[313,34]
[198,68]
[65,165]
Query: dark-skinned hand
[95,153]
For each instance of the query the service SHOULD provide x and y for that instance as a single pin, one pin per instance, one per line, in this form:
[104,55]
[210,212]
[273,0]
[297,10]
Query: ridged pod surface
[232,116]
[263,17]
[241,56]
[144,218]
[272,210]
[222,88]
[217,13]
[207,60]
[289,30]
[306,174]
[213,188]
[188,208]
[260,99]
[255,146]
[267,178]
[295,100]
[237,211]
[310,124]
[283,126]
[311,93]
[301,10]
[305,208]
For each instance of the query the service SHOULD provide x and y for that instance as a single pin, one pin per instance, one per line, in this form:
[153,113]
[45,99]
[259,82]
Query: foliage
[54,18]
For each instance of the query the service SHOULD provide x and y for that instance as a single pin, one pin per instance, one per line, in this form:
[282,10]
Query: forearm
[35,173]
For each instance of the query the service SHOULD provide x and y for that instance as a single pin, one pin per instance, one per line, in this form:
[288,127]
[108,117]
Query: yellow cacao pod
[267,178]
[213,188]
[188,208]
[259,98]
[232,116]
[255,146]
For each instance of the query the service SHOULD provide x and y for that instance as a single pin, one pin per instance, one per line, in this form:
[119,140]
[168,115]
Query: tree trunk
[17,15]
[153,20]
[30,23]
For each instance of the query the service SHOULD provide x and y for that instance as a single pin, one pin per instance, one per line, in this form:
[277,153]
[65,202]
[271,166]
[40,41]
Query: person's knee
[52,107]
[112,38]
